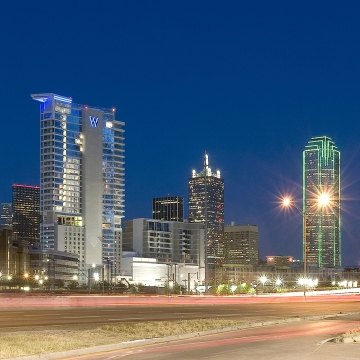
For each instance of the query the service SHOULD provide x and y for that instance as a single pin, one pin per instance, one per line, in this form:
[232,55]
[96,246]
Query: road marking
[127,353]
[126,319]
[81,317]
[40,315]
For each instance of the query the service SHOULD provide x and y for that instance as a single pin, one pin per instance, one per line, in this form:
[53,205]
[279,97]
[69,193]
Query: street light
[263,280]
[322,200]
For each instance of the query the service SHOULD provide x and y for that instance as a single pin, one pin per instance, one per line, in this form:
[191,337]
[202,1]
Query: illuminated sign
[93,121]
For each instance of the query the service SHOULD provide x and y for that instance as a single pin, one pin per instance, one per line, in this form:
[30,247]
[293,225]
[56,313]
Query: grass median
[27,343]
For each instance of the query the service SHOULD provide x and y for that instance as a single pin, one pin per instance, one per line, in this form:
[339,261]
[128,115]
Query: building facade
[170,208]
[151,272]
[166,241]
[5,214]
[82,180]
[14,259]
[241,244]
[206,206]
[321,175]
[55,266]
[26,215]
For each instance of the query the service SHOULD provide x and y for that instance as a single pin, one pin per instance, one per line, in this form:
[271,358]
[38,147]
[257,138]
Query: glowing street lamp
[263,280]
[322,200]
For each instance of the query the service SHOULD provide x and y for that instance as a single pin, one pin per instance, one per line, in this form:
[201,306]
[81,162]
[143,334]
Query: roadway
[245,309]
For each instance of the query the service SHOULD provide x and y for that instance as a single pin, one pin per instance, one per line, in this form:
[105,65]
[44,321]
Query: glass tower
[81,180]
[206,205]
[321,175]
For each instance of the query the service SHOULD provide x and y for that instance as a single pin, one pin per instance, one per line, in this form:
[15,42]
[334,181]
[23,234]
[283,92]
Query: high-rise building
[241,244]
[166,241]
[82,180]
[26,215]
[321,177]
[170,208]
[6,214]
[206,205]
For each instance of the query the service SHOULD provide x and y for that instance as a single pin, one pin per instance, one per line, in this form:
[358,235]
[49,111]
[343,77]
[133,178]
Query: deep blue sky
[250,82]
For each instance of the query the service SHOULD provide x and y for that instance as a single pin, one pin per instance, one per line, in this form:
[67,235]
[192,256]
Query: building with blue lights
[82,181]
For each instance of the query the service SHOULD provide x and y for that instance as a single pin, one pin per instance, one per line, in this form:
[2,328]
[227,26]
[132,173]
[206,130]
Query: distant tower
[241,244]
[321,175]
[26,215]
[206,205]
[170,208]
[6,214]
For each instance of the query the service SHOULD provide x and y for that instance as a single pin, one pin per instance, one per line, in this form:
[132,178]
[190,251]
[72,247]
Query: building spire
[206,160]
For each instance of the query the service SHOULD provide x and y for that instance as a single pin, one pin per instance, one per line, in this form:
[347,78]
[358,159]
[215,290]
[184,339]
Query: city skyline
[248,83]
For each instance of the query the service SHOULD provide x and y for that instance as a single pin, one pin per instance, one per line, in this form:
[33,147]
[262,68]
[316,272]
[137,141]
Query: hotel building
[82,180]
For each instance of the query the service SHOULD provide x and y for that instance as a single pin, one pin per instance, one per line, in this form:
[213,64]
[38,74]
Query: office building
[82,180]
[152,272]
[6,214]
[165,241]
[58,268]
[14,258]
[170,208]
[26,215]
[280,260]
[206,206]
[321,175]
[156,251]
[241,244]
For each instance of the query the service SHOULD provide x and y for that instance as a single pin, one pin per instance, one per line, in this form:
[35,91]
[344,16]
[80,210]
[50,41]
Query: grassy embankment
[41,342]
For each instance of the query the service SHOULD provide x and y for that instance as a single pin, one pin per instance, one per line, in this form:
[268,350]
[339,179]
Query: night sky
[249,82]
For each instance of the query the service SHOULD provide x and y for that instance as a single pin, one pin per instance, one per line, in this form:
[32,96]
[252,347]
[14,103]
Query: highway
[260,309]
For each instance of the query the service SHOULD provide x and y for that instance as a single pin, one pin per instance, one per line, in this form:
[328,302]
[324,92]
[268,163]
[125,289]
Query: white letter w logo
[94,121]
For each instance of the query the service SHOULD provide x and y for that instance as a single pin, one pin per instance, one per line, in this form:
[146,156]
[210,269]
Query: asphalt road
[88,317]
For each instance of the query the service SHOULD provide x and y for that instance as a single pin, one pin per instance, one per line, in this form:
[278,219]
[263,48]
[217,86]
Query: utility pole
[206,226]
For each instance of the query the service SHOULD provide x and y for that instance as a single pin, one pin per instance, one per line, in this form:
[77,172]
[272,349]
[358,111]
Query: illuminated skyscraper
[82,180]
[206,205]
[321,175]
[170,208]
[26,215]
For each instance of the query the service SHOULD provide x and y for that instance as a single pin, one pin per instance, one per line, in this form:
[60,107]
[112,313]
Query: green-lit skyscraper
[321,177]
